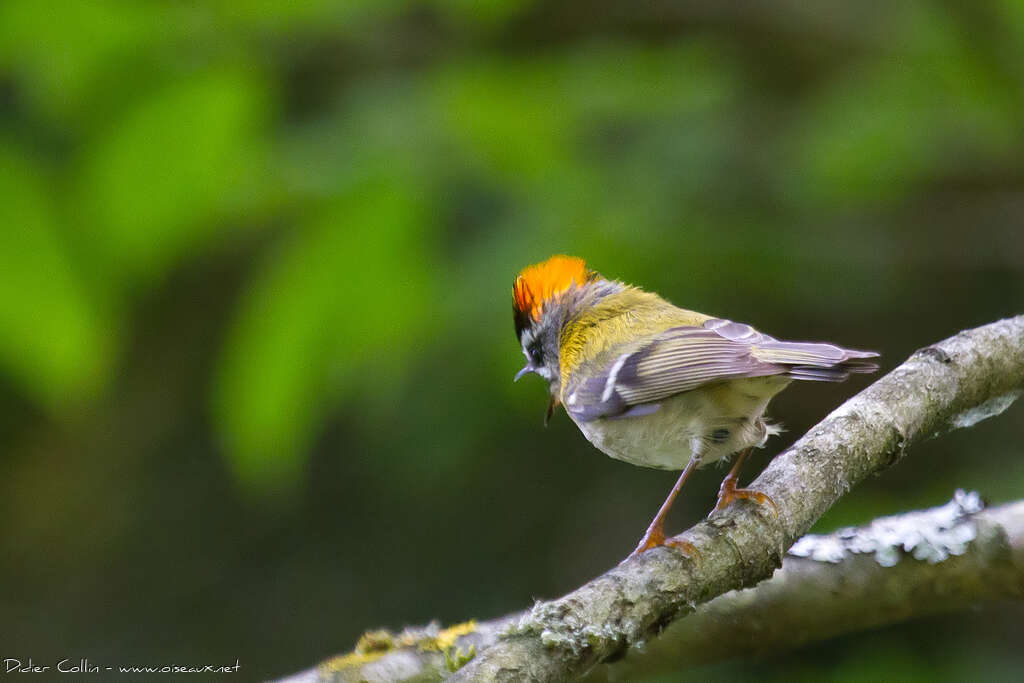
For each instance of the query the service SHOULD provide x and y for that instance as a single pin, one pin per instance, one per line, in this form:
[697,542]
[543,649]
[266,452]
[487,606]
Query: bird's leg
[727,492]
[655,535]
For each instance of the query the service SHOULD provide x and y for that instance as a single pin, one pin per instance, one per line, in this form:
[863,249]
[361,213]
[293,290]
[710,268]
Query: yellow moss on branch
[373,645]
[446,638]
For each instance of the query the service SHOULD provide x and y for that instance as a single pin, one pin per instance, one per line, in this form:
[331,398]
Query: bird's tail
[816,361]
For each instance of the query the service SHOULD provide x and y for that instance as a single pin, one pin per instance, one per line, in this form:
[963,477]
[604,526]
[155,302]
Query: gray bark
[896,569]
[952,384]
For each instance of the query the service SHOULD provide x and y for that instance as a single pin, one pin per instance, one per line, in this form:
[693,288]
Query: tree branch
[955,383]
[897,568]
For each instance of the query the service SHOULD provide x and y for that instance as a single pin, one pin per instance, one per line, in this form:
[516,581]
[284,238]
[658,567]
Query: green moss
[454,659]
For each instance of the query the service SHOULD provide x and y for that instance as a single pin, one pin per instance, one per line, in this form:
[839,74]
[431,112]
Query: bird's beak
[528,369]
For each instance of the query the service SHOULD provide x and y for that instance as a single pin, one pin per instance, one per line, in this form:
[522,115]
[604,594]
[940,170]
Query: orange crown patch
[538,283]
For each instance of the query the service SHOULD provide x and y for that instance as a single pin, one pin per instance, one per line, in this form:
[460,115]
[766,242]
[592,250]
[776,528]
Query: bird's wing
[685,358]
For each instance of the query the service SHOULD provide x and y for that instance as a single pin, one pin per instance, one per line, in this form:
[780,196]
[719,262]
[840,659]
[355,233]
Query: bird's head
[544,297]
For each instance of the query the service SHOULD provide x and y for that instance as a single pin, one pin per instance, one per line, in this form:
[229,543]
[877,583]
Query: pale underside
[709,423]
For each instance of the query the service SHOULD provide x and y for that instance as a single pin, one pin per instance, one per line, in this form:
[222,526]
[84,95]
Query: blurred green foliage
[255,259]
[324,306]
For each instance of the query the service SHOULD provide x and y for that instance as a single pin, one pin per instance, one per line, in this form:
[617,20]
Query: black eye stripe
[536,355]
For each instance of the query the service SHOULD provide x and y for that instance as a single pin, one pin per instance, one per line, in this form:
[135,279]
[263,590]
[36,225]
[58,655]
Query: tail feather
[816,361]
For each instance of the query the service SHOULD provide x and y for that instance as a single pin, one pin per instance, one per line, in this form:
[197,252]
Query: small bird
[656,385]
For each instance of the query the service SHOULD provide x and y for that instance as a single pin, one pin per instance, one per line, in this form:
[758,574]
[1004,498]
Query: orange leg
[655,535]
[728,493]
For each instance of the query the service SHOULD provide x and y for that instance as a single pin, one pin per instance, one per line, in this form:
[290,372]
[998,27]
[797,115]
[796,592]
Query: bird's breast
[709,423]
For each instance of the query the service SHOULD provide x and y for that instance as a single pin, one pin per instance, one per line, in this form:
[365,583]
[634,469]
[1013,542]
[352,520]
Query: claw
[728,494]
[685,547]
[652,539]
[655,538]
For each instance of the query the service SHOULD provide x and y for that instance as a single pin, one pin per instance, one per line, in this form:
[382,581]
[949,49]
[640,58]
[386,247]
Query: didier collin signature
[64,666]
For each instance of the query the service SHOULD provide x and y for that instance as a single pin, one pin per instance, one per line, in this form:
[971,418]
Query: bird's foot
[728,494]
[655,537]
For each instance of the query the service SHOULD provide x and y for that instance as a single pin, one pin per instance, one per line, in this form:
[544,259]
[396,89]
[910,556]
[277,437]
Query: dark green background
[256,260]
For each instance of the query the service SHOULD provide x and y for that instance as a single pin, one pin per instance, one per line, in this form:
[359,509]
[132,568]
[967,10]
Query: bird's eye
[536,355]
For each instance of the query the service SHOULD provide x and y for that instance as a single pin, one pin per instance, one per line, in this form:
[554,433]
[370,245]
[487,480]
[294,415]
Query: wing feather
[685,358]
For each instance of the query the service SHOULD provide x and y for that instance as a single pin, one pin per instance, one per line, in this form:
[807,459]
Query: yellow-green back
[617,324]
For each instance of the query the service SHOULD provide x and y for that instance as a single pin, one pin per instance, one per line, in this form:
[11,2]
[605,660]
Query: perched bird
[656,385]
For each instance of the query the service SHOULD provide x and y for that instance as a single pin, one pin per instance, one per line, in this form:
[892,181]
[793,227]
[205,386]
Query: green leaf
[333,315]
[62,50]
[55,341]
[161,181]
